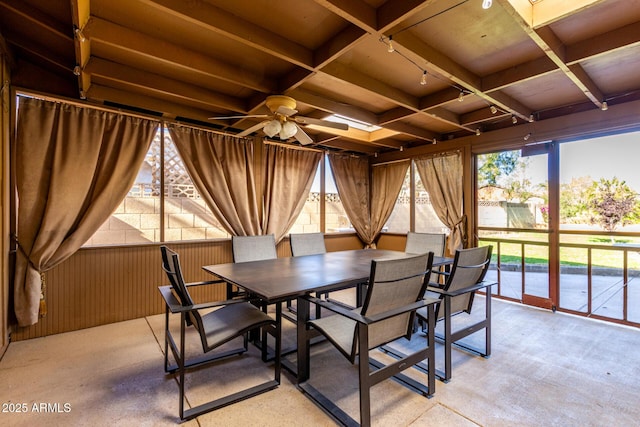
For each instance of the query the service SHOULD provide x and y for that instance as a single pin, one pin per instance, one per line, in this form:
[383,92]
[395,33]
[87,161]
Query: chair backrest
[307,244]
[253,248]
[394,283]
[171,266]
[421,243]
[469,267]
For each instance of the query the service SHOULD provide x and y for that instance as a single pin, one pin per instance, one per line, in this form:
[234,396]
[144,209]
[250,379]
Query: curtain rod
[87,104]
[295,147]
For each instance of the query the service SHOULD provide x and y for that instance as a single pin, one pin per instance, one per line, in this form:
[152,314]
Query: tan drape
[74,166]
[289,175]
[367,201]
[386,183]
[221,168]
[442,178]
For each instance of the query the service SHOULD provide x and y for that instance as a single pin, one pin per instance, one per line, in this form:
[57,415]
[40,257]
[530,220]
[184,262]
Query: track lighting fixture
[423,79]
[402,148]
[77,70]
[461,96]
[604,106]
[486,4]
[527,136]
[78,33]
[514,119]
[478,132]
[82,94]
[435,141]
[531,118]
[390,49]
[493,109]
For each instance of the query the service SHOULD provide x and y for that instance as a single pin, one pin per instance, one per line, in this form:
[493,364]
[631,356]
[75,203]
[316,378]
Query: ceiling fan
[282,122]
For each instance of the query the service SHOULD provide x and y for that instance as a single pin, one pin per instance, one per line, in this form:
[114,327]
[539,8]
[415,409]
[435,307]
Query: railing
[607,289]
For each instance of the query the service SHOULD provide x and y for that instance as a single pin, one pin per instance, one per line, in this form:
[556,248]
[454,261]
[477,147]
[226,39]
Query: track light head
[514,119]
[493,109]
[604,106]
[461,96]
[390,47]
[423,79]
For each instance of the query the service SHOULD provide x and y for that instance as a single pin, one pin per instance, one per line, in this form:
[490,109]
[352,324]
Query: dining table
[274,281]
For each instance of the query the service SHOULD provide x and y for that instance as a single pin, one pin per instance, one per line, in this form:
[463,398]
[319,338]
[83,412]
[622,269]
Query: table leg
[304,352]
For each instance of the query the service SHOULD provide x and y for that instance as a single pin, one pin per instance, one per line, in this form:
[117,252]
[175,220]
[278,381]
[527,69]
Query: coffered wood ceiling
[190,60]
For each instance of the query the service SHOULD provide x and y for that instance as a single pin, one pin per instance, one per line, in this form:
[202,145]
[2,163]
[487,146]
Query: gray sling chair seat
[456,296]
[226,321]
[396,290]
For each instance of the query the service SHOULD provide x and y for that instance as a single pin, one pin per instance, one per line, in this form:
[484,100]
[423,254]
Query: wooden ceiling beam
[332,107]
[356,12]
[376,87]
[164,87]
[627,36]
[393,12]
[38,18]
[458,74]
[553,47]
[211,18]
[119,37]
[518,74]
[102,93]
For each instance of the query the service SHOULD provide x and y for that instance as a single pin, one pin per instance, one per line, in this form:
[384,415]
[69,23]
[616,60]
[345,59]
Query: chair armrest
[175,307]
[208,282]
[476,287]
[336,308]
[371,319]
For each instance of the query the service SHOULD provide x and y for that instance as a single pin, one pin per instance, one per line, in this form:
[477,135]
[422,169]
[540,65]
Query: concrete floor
[546,370]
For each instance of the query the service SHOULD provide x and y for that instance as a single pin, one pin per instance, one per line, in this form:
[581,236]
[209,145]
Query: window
[400,219]
[137,218]
[309,219]
[336,219]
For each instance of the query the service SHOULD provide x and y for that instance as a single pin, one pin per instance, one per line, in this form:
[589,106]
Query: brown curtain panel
[221,168]
[442,178]
[289,175]
[351,175]
[368,199]
[74,166]
[386,183]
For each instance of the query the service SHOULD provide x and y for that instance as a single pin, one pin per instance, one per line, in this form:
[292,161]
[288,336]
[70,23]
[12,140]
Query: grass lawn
[536,251]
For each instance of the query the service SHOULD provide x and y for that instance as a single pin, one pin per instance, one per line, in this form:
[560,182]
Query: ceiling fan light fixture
[287,130]
[272,127]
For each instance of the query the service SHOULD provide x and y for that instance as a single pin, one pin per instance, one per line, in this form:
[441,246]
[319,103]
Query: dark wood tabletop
[283,278]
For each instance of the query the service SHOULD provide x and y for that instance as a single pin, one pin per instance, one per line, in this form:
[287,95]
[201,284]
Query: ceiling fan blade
[302,136]
[252,129]
[286,111]
[238,117]
[318,122]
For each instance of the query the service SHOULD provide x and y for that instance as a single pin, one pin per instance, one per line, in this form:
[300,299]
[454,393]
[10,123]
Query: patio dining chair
[251,248]
[456,297]
[421,243]
[219,323]
[396,290]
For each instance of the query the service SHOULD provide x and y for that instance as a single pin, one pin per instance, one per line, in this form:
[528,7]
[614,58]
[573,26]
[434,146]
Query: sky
[602,157]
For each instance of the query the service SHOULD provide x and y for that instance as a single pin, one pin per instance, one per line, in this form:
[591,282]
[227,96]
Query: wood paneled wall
[97,286]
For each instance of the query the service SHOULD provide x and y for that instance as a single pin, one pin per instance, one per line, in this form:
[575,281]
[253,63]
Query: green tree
[612,203]
[574,207]
[496,165]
